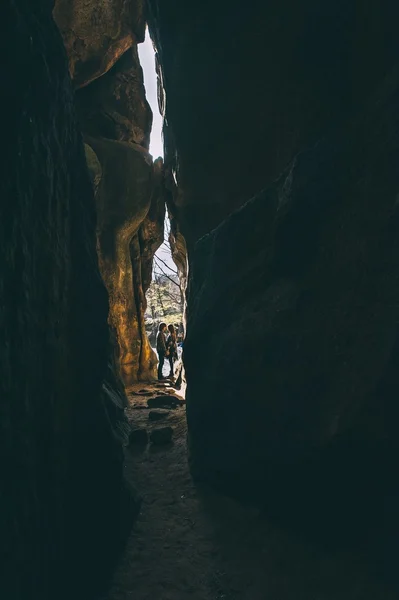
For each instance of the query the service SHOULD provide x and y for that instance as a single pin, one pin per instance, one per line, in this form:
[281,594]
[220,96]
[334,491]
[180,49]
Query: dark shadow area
[345,500]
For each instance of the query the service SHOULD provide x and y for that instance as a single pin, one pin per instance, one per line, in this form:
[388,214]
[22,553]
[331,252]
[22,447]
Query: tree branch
[171,296]
[166,275]
[166,265]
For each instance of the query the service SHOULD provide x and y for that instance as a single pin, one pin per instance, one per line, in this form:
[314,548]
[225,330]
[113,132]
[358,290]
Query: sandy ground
[191,543]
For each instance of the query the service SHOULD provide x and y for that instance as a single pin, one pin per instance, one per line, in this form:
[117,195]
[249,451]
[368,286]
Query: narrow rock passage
[191,543]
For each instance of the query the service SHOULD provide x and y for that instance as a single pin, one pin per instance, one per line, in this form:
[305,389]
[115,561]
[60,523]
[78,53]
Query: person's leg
[171,365]
[160,365]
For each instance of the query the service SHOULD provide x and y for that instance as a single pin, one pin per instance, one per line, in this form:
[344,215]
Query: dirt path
[197,545]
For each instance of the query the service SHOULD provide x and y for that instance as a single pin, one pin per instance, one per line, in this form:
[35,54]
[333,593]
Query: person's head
[162,326]
[171,328]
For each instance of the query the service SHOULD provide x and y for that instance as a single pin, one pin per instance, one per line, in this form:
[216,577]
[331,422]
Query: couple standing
[166,348]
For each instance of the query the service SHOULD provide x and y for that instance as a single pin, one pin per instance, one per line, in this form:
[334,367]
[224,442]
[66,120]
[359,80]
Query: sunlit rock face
[63,501]
[127,179]
[101,41]
[97,33]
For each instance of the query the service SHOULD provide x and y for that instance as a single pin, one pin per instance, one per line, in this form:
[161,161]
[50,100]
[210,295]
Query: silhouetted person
[161,348]
[171,346]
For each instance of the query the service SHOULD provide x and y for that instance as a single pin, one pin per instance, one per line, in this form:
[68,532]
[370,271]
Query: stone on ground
[161,436]
[158,415]
[164,402]
[138,436]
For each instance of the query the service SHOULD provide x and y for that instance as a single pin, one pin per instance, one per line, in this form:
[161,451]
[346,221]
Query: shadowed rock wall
[63,500]
[291,320]
[248,86]
[301,314]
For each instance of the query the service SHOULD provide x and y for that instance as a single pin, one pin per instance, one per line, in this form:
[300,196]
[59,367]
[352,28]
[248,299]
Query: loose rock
[164,402]
[158,415]
[138,436]
[161,436]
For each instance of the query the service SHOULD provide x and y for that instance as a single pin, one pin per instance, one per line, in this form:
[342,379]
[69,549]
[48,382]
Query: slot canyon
[271,470]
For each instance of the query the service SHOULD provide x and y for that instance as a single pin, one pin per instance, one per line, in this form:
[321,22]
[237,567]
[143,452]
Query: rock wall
[101,41]
[301,315]
[64,507]
[247,87]
[291,321]
[123,202]
[96,34]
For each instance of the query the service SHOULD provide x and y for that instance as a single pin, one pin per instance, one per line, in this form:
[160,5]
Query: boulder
[138,436]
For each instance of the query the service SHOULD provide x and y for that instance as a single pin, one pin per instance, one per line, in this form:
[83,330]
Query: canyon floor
[190,543]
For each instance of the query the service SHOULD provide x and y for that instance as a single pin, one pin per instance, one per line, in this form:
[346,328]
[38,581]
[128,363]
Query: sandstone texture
[115,117]
[114,106]
[97,33]
[127,175]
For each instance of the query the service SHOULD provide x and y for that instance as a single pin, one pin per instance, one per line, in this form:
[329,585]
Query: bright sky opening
[147,61]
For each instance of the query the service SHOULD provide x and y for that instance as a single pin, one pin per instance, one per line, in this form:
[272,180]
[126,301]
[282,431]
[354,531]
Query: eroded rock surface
[101,42]
[64,507]
[97,33]
[116,120]
[114,106]
[123,201]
